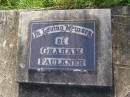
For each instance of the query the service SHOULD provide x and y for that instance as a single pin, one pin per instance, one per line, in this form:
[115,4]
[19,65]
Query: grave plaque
[62,45]
[68,47]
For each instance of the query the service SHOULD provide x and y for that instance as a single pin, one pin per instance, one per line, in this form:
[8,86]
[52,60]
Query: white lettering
[61,51]
[61,62]
[63,28]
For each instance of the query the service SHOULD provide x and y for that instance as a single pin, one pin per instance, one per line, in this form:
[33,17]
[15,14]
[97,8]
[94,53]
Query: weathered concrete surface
[8,41]
[121,57]
[103,74]
[77,83]
[121,50]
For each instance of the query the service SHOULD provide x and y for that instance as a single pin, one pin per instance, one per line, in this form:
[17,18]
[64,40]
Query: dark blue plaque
[62,45]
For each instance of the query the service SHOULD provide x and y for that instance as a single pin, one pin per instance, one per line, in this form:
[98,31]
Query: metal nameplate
[62,45]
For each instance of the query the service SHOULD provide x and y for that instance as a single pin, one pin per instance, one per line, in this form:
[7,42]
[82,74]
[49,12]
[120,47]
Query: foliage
[84,3]
[107,3]
[64,3]
[29,4]
[21,4]
[128,2]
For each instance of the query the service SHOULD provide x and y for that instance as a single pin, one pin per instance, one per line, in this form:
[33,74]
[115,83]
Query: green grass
[29,4]
[22,4]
